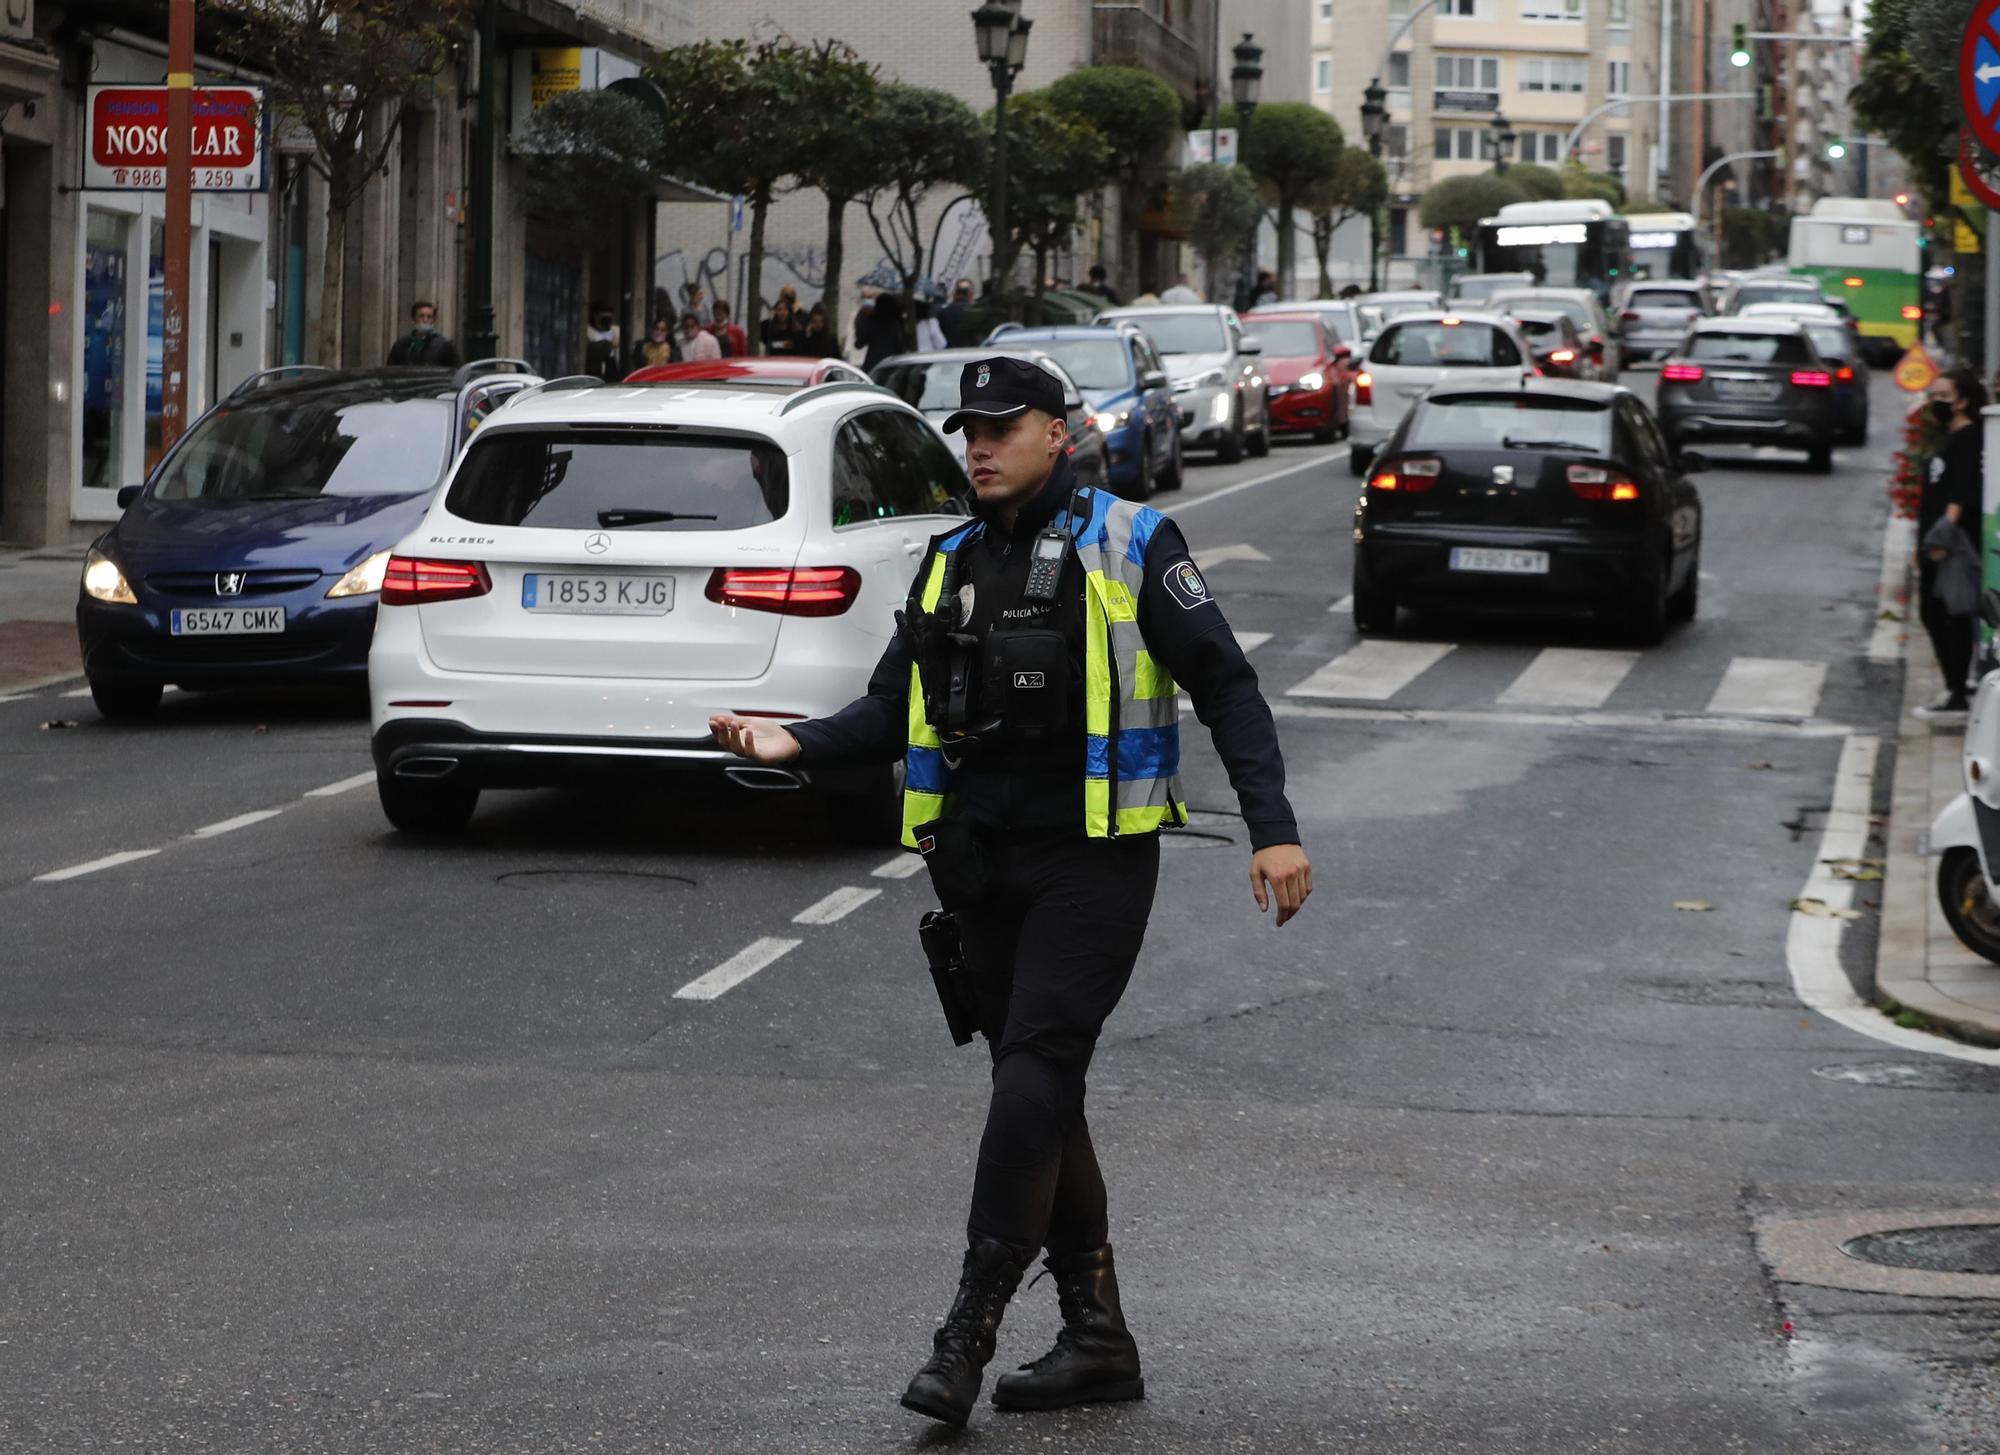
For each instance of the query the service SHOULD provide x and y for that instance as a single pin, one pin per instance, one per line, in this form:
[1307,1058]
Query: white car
[1218,380]
[1415,351]
[607,566]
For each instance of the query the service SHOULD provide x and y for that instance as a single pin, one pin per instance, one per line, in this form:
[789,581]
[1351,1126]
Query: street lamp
[1504,138]
[1003,45]
[1246,83]
[1374,115]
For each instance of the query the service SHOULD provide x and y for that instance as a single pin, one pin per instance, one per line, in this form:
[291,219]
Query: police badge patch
[985,377]
[965,600]
[1184,584]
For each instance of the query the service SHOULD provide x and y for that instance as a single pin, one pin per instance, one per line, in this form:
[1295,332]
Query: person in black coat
[1953,490]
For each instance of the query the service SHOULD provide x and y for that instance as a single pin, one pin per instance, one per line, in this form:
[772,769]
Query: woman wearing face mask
[1953,492]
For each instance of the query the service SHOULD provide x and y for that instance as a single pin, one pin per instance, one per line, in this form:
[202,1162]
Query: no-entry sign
[127,139]
[1979,75]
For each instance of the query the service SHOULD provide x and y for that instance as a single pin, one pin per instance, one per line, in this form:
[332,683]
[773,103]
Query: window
[1396,140]
[1544,147]
[1548,75]
[887,464]
[1326,9]
[1552,9]
[1478,422]
[1462,143]
[293,448]
[1399,70]
[1468,73]
[1614,154]
[1618,79]
[1399,7]
[1749,348]
[1323,74]
[575,479]
[1463,9]
[1617,12]
[1445,345]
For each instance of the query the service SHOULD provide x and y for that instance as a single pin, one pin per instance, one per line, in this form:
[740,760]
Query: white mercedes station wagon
[607,566]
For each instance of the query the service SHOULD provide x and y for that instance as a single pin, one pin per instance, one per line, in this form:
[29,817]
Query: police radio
[1045,565]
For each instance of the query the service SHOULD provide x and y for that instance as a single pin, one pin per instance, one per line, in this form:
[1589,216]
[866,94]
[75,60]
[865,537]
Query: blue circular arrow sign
[1979,75]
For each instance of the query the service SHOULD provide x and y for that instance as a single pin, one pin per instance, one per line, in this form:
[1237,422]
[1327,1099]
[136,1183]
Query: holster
[960,868]
[939,933]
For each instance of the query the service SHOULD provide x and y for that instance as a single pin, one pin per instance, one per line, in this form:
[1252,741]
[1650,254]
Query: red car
[1305,370]
[773,370]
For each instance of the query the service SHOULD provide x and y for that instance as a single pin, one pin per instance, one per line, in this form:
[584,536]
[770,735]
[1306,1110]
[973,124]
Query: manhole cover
[1729,994]
[561,879]
[1940,1075]
[1957,1248]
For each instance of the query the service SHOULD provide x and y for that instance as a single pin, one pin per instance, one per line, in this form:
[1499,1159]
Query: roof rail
[831,386]
[477,368]
[550,386]
[1001,328]
[257,380]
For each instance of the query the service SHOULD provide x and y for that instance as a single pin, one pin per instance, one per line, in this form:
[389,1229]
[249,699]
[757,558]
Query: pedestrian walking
[930,334]
[424,346]
[1100,285]
[601,347]
[1182,292]
[1266,290]
[1952,493]
[657,347]
[882,334]
[1031,695]
[695,300]
[735,342]
[951,315]
[779,332]
[697,343]
[818,341]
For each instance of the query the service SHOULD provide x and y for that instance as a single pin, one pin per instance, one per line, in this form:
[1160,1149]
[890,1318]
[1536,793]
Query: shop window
[106,260]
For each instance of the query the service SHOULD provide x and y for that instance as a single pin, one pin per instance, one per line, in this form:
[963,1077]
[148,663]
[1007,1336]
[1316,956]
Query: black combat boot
[1094,1358]
[947,1387]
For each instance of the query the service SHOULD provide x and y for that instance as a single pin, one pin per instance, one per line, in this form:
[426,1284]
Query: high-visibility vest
[1132,757]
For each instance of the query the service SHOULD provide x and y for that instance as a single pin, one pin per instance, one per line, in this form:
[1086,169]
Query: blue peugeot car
[1124,382]
[253,554]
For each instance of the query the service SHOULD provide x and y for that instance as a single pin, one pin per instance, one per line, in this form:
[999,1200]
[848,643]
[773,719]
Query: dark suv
[1750,381]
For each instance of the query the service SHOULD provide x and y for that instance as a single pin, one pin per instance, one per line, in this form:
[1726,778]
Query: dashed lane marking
[230,825]
[1182,507]
[1250,641]
[345,785]
[109,861]
[1624,722]
[1345,604]
[903,866]
[1569,677]
[1374,671]
[836,906]
[1768,687]
[737,968]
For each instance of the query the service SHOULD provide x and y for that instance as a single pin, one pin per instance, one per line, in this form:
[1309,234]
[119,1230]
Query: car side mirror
[1595,348]
[1153,379]
[1250,346]
[127,494]
[1343,352]
[1989,607]
[1693,462]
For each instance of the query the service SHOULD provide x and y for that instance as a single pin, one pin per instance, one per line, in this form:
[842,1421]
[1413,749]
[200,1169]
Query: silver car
[1418,350]
[1217,376]
[929,383]
[1592,323]
[1654,316]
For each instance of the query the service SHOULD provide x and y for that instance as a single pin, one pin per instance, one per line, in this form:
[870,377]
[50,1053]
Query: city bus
[1576,244]
[1665,245]
[1866,253]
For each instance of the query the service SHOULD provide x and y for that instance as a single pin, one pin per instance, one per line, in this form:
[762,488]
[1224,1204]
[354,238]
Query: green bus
[1865,253]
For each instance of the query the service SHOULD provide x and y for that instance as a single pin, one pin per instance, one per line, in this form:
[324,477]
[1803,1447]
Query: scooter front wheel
[1968,907]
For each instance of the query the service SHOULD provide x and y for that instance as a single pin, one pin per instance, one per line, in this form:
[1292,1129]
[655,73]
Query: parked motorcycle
[1966,836]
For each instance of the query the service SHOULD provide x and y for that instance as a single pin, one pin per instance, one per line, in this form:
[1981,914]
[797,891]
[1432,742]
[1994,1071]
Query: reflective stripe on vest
[1132,752]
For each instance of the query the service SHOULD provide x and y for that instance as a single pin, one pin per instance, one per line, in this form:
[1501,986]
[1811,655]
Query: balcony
[1137,34]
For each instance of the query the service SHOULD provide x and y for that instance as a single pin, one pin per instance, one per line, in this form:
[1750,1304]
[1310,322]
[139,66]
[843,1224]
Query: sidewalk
[1919,962]
[38,616]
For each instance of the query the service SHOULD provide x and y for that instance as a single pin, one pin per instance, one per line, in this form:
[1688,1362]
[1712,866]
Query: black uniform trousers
[1952,637]
[1050,950]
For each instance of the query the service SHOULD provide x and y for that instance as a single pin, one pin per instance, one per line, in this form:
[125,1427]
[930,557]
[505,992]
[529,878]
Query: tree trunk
[836,259]
[1287,246]
[1323,231]
[750,310]
[332,261]
[916,271]
[1041,282]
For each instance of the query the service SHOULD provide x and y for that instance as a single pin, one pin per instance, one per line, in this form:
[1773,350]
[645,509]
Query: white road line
[1345,604]
[1622,722]
[230,825]
[1569,677]
[903,866]
[109,861]
[1768,687]
[836,906]
[77,692]
[345,785]
[1885,643]
[1217,555]
[14,696]
[1182,507]
[1250,641]
[736,969]
[1374,671]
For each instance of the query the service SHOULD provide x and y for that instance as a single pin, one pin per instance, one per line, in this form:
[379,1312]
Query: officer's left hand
[1288,873]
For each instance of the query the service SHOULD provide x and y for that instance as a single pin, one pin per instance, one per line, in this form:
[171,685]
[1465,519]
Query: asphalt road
[317,1139]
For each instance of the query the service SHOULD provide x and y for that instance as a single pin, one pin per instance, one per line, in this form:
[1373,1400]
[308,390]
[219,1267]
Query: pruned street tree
[1291,147]
[1458,203]
[1537,183]
[344,70]
[1054,158]
[1218,207]
[581,149]
[1359,187]
[1139,115]
[843,164]
[923,140]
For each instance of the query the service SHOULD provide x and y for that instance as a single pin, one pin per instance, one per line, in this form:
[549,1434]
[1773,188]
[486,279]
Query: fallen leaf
[1760,767]
[55,724]
[1694,906]
[1863,875]
[1887,615]
[1820,909]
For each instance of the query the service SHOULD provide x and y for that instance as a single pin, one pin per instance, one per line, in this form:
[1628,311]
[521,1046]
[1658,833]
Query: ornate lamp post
[1503,143]
[1374,122]
[1003,45]
[1246,85]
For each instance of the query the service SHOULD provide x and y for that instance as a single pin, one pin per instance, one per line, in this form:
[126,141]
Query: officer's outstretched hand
[1288,873]
[754,738]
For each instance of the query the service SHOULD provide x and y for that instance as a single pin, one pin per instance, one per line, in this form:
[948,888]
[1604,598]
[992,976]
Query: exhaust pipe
[762,778]
[426,767]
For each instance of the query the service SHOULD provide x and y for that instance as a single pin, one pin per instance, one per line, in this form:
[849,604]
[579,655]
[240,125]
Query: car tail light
[411,581]
[1409,477]
[1628,316]
[1681,374]
[1844,374]
[1910,310]
[799,591]
[1812,378]
[1562,356]
[1364,388]
[1599,482]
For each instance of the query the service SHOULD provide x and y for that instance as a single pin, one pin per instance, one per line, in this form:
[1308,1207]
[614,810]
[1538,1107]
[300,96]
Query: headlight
[1108,420]
[364,580]
[1312,383]
[103,581]
[1218,409]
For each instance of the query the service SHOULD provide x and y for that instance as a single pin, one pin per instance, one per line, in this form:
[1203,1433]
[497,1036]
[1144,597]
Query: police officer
[1032,693]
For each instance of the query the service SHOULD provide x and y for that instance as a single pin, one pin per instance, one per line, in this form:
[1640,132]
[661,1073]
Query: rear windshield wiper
[612,519]
[1514,444]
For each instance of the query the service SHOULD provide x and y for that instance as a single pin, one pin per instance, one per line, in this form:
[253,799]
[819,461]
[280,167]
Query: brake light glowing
[1415,477]
[410,581]
[1449,322]
[1599,482]
[1681,374]
[799,591]
[1364,388]
[1910,310]
[1851,282]
[1844,374]
[1812,378]
[1562,356]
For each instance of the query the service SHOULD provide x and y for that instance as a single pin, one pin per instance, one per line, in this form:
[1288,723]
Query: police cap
[1002,387]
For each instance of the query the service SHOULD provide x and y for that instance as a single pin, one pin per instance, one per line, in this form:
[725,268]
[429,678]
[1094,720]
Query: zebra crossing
[1399,674]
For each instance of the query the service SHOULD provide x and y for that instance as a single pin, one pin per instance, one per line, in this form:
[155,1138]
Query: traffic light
[1835,148]
[1739,46]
